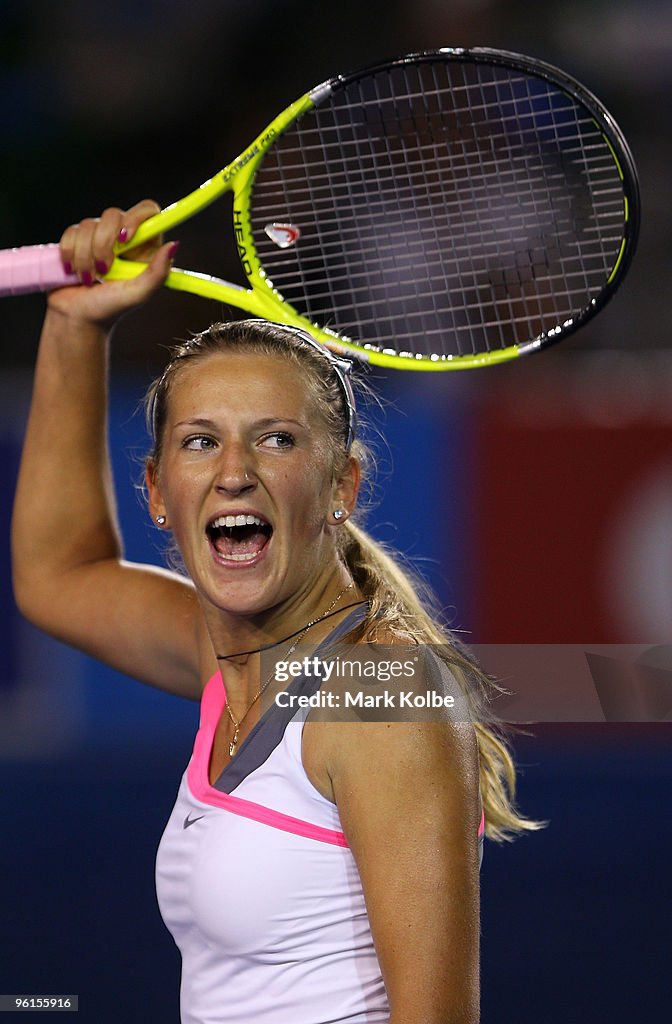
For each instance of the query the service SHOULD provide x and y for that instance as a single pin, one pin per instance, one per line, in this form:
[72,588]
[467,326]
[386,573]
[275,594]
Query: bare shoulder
[363,758]
[392,699]
[411,734]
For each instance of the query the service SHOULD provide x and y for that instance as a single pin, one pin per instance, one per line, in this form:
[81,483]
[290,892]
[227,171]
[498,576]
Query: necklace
[313,622]
[290,636]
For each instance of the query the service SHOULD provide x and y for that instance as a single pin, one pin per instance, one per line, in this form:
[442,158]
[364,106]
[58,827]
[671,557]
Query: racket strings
[474,202]
[446,208]
[393,244]
[437,178]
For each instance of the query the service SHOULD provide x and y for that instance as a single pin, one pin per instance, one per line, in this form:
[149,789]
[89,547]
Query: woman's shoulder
[391,700]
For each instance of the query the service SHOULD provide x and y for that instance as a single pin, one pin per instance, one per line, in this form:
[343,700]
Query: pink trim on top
[212,705]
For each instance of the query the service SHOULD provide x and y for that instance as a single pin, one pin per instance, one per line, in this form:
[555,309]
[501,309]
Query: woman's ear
[157,509]
[345,491]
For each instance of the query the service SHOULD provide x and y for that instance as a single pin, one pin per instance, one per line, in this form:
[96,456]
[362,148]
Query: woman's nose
[235,472]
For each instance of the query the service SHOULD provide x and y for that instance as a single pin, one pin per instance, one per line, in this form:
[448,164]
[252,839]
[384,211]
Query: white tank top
[257,884]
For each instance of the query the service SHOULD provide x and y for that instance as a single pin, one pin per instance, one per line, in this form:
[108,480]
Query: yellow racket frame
[263,299]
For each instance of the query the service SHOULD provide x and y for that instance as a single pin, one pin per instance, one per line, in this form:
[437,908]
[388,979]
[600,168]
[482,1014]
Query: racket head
[449,209]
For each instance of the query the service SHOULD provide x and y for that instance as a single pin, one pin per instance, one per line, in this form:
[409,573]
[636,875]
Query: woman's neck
[236,638]
[250,670]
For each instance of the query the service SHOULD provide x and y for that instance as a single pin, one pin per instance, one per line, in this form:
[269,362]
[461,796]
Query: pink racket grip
[32,268]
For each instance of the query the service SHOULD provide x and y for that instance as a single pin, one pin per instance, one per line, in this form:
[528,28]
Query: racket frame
[263,299]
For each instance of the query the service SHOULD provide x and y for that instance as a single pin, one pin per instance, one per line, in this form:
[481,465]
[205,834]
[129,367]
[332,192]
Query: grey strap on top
[262,740]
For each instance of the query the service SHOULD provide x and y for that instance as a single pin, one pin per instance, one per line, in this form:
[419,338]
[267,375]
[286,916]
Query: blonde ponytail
[399,602]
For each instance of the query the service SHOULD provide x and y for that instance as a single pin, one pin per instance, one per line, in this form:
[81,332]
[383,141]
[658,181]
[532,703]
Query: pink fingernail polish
[101,267]
[87,279]
[123,235]
[68,268]
[172,252]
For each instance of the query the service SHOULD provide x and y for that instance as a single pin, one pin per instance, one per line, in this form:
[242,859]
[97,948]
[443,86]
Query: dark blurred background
[536,498]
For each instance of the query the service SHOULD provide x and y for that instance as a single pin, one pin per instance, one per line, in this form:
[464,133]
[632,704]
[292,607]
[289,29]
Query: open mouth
[239,538]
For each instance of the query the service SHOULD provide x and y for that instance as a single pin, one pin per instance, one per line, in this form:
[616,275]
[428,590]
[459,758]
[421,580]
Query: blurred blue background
[536,499]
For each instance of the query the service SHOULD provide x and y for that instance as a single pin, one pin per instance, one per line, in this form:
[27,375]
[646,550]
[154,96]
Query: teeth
[239,520]
[242,558]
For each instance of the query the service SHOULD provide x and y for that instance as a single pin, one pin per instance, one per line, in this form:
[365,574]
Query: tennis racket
[446,210]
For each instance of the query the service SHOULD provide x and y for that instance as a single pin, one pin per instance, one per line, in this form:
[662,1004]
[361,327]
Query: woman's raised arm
[69,575]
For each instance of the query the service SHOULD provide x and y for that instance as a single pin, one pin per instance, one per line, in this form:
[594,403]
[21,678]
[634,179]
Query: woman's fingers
[83,249]
[105,236]
[132,220]
[87,248]
[109,300]
[67,245]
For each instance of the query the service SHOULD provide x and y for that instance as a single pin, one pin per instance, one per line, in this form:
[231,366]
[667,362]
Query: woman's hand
[87,249]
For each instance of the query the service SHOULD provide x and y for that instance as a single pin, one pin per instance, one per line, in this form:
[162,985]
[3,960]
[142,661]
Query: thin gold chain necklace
[313,622]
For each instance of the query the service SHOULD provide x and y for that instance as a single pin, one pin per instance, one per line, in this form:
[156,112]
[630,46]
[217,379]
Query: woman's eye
[279,439]
[198,443]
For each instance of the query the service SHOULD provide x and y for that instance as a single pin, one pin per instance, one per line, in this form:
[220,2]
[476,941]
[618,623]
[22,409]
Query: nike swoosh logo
[191,821]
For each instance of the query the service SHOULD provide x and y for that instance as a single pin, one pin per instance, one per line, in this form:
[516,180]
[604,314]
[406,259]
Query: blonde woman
[312,870]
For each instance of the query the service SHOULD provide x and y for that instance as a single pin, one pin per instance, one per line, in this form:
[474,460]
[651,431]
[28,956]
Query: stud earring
[161,520]
[338,514]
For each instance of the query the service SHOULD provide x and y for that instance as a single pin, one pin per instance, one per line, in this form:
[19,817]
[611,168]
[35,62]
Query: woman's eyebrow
[269,421]
[197,421]
[260,424]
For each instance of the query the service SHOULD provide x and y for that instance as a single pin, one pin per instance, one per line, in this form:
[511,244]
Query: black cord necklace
[276,643]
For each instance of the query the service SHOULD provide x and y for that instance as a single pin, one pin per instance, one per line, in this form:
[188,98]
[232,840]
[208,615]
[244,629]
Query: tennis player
[313,870]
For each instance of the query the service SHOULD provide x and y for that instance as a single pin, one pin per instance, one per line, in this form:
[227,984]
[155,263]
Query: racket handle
[32,268]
